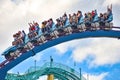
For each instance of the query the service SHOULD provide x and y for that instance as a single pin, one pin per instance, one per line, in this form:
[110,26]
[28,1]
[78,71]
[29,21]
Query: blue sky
[98,57]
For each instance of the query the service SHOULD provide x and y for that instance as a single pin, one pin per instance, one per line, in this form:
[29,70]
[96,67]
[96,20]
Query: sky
[98,57]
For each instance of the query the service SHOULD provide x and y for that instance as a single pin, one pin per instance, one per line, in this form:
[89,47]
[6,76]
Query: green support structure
[60,72]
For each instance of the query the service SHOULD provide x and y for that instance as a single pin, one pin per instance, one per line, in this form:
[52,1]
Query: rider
[87,20]
[80,17]
[43,27]
[102,20]
[95,16]
[109,14]
[37,28]
[74,19]
[32,32]
[19,38]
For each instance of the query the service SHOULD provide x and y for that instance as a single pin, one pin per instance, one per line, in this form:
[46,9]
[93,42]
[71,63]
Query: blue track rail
[37,49]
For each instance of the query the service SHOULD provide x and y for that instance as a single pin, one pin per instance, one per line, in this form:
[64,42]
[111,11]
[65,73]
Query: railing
[55,65]
[46,65]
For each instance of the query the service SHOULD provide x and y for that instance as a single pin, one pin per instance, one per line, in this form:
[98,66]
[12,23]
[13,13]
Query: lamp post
[74,65]
[35,65]
[80,73]
[87,76]
[51,61]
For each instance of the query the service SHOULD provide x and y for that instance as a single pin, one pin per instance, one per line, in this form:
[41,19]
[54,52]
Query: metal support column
[50,77]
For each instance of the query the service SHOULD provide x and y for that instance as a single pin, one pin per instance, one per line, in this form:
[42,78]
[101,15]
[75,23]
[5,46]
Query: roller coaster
[39,40]
[60,72]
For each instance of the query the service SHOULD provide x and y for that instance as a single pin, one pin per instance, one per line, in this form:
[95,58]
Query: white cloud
[100,51]
[104,51]
[97,77]
[114,2]
[64,47]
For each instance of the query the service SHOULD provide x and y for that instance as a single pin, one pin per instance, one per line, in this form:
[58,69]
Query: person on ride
[105,17]
[47,26]
[43,27]
[61,22]
[87,20]
[109,14]
[51,24]
[70,19]
[15,39]
[102,20]
[31,28]
[37,28]
[18,39]
[94,20]
[95,16]
[59,27]
[81,25]
[21,37]
[80,17]
[58,23]
[64,19]
[35,23]
[32,32]
[23,34]
[74,21]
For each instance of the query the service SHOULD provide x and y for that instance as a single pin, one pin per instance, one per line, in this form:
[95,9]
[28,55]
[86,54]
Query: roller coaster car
[108,26]
[9,51]
[14,52]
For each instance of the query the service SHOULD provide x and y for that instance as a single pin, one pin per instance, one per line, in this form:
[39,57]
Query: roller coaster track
[9,64]
[60,71]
